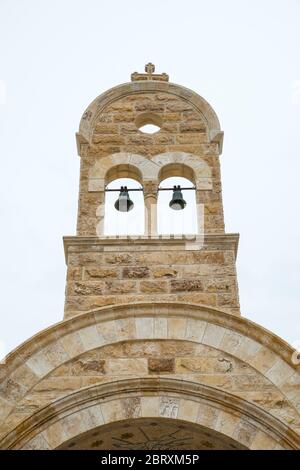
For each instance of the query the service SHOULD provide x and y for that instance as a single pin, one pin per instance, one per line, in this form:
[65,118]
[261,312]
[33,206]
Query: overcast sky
[57,56]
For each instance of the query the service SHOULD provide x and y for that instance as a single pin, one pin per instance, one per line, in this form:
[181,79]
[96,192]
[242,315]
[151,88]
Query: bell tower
[152,353]
[197,268]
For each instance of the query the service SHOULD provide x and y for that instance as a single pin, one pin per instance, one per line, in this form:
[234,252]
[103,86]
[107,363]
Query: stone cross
[149,75]
[150,69]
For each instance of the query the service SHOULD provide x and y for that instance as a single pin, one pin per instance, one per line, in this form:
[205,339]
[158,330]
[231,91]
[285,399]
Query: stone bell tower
[200,270]
[152,352]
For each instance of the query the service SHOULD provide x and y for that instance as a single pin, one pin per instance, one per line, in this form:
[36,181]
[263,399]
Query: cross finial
[149,75]
[149,69]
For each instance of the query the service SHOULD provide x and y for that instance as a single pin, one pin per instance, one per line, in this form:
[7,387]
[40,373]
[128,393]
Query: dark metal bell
[177,203]
[124,203]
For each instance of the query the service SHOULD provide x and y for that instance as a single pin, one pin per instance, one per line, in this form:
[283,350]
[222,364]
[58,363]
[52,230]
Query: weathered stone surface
[136,272]
[186,286]
[153,286]
[190,126]
[164,272]
[120,287]
[161,365]
[99,273]
[86,288]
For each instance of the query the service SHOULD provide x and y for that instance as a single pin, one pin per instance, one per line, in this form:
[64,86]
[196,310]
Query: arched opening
[116,222]
[148,123]
[151,434]
[176,221]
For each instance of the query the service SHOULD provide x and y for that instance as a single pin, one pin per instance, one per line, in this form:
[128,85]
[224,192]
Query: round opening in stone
[149,123]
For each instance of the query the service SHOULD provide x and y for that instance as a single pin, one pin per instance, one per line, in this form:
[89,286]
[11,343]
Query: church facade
[152,352]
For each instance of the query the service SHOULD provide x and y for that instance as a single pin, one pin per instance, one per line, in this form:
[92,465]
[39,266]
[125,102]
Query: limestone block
[144,327]
[96,415]
[73,344]
[291,388]
[108,139]
[263,360]
[74,274]
[25,376]
[191,126]
[37,443]
[279,372]
[39,364]
[245,432]
[161,365]
[188,410]
[231,341]
[132,407]
[124,117]
[5,409]
[125,328]
[126,366]
[164,272]
[90,337]
[100,273]
[213,335]
[198,298]
[221,381]
[207,415]
[176,327]
[107,330]
[206,365]
[247,349]
[55,434]
[153,286]
[195,330]
[76,423]
[112,411]
[137,272]
[227,423]
[262,441]
[190,138]
[150,406]
[120,287]
[86,288]
[186,285]
[160,327]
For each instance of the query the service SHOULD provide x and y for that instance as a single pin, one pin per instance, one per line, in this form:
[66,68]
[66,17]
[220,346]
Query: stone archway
[227,375]
[227,421]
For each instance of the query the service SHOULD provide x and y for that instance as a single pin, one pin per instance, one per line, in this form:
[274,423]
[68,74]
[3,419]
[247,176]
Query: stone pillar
[200,212]
[150,198]
[100,214]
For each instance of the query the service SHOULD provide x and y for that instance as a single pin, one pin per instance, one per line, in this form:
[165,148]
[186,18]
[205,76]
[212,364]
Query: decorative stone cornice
[162,242]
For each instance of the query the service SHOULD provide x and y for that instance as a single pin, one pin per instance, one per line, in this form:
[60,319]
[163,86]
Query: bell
[177,203]
[124,203]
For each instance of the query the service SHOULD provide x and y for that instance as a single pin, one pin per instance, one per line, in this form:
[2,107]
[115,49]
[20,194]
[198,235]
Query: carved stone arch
[95,109]
[184,164]
[132,165]
[217,415]
[36,361]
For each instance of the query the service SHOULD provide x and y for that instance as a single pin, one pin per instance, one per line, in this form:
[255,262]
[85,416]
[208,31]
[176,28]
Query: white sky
[57,56]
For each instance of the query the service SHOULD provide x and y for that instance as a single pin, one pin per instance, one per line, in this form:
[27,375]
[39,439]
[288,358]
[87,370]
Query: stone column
[99,215]
[200,212]
[150,198]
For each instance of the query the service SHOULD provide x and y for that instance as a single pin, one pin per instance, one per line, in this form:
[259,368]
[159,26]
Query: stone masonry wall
[205,276]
